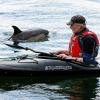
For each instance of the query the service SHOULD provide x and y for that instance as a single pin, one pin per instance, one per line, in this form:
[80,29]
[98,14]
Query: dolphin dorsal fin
[16,30]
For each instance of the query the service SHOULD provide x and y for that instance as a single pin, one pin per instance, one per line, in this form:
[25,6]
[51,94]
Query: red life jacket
[74,47]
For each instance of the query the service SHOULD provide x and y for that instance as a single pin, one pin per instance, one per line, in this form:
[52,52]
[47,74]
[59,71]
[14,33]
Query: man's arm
[88,44]
[88,49]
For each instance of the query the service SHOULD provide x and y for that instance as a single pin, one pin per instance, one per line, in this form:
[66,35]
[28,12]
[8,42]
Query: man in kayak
[83,45]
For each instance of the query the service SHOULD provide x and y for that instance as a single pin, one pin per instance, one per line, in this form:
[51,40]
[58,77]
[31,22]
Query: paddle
[41,55]
[25,48]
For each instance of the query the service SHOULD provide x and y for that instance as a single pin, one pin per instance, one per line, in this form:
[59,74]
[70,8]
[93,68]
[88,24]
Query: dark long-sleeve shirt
[88,47]
[88,44]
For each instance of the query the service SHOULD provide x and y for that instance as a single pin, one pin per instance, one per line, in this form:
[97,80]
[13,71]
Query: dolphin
[28,35]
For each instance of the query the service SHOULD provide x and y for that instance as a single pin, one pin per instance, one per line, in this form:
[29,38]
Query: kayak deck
[49,67]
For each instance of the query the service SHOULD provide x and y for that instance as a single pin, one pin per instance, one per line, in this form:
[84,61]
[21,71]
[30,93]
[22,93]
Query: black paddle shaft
[25,48]
[41,54]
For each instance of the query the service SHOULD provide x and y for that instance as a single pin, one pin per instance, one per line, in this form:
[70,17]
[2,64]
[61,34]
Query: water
[51,15]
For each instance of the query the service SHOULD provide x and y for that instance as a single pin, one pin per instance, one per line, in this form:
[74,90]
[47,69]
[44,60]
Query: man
[83,45]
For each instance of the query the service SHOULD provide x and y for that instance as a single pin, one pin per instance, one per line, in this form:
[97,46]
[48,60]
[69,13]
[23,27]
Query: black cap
[77,19]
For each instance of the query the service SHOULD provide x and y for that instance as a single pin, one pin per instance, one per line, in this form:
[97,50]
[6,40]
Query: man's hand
[62,56]
[61,52]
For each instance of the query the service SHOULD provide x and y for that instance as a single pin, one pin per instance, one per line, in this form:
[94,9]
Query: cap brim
[69,23]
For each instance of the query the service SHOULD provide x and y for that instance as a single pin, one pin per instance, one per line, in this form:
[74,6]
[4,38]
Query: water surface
[51,15]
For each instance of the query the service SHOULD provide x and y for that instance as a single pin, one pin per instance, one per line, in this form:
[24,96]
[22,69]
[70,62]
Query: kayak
[45,65]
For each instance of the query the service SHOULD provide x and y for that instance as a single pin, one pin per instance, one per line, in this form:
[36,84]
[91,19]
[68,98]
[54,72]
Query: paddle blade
[15,46]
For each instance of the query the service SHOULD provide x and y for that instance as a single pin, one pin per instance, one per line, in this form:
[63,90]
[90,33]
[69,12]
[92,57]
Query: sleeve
[88,49]
[88,44]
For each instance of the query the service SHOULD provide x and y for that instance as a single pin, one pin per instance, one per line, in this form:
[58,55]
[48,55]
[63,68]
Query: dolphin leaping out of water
[28,35]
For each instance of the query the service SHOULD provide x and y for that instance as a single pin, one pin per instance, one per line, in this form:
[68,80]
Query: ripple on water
[34,92]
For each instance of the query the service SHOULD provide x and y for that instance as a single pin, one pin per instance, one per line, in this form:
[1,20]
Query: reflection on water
[80,89]
[72,88]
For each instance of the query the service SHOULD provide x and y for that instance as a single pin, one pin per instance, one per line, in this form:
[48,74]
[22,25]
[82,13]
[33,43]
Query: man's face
[76,28]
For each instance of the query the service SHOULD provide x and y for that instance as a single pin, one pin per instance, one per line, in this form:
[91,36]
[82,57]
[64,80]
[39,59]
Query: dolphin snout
[46,32]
